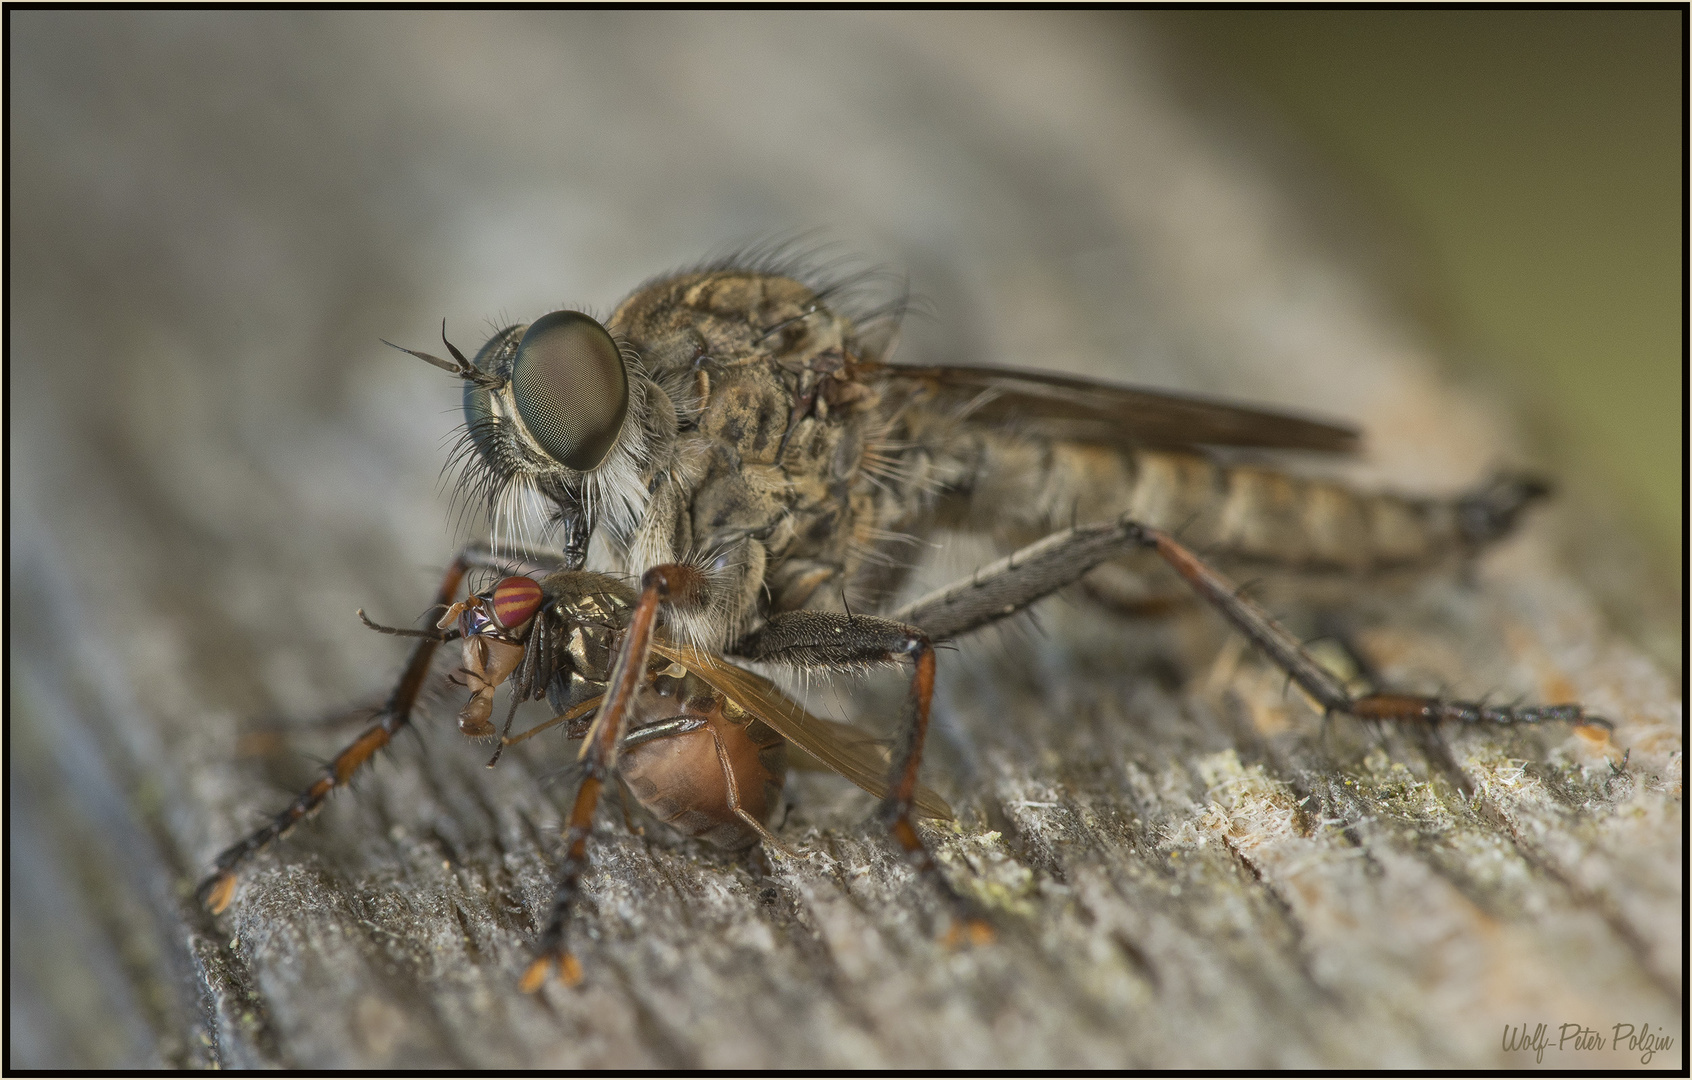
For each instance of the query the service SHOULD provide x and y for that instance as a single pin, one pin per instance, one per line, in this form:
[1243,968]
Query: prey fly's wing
[854,754]
[1083,409]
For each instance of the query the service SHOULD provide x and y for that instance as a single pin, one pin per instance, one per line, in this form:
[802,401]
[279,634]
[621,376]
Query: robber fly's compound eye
[570,388]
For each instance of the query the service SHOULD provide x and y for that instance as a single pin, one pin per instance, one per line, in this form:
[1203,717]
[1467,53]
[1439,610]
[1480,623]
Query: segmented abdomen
[1019,486]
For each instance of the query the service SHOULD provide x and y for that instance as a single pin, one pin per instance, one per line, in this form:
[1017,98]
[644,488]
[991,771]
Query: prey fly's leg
[219,887]
[661,585]
[826,639]
[733,787]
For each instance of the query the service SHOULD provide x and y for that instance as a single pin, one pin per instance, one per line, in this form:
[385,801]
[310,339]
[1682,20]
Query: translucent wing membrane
[852,753]
[1082,408]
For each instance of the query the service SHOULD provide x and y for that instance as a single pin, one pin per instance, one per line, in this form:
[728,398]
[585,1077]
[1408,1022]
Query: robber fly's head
[559,396]
[553,408]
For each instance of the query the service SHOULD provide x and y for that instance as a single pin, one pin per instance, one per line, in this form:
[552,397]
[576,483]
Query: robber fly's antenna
[464,369]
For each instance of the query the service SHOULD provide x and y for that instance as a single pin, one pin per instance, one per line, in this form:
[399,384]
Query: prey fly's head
[553,437]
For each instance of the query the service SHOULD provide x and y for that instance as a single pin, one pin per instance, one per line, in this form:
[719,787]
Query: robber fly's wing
[854,754]
[1082,408]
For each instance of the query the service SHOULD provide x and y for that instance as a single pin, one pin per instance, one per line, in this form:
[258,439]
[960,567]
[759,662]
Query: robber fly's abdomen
[1020,486]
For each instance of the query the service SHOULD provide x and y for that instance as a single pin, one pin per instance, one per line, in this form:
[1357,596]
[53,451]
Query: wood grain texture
[214,462]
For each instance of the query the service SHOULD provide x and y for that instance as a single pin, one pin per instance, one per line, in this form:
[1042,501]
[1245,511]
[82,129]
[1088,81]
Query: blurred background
[1530,167]
[1515,178]
[1437,224]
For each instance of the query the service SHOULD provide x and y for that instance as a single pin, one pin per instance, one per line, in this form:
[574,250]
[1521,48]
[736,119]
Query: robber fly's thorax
[772,419]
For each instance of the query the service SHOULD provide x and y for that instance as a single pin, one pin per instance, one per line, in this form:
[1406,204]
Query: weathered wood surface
[213,462]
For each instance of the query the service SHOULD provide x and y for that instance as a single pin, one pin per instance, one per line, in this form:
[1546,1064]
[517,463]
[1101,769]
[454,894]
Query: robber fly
[745,452]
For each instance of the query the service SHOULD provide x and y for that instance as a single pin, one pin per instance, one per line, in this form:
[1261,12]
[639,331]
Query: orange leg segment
[218,889]
[599,759]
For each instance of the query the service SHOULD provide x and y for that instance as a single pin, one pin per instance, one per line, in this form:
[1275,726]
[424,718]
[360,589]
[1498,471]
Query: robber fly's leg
[828,639]
[219,888]
[1001,589]
[1005,587]
[1289,655]
[524,562]
[482,555]
[661,584]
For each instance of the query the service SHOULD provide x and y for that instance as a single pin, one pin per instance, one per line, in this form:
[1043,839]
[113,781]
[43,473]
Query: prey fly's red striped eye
[515,600]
